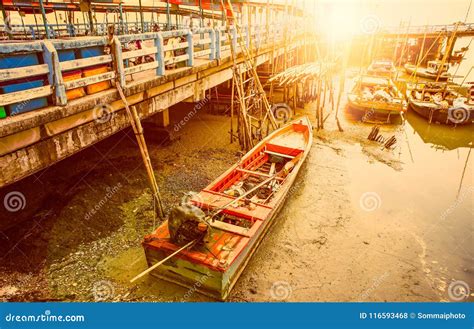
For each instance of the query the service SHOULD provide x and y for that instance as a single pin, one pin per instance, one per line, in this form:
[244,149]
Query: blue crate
[13,61]
[27,105]
[91,52]
[22,60]
[66,55]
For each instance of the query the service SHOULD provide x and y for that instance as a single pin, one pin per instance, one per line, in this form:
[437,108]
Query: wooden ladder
[255,109]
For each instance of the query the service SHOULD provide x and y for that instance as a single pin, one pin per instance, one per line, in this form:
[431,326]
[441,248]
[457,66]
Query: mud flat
[361,223]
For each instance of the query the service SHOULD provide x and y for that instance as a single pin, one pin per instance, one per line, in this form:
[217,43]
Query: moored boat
[382,68]
[432,71]
[227,220]
[377,99]
[438,102]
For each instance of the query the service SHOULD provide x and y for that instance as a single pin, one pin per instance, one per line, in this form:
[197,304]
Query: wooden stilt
[138,130]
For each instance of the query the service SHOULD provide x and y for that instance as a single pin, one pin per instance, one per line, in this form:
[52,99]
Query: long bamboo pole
[448,50]
[232,112]
[155,266]
[138,130]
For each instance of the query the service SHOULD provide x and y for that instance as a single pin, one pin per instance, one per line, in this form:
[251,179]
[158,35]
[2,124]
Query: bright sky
[340,19]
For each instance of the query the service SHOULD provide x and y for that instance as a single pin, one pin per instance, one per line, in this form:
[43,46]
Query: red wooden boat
[229,218]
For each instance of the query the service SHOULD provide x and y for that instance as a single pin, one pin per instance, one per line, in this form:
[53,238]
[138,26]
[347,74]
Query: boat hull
[367,112]
[200,271]
[423,73]
[199,278]
[438,115]
[366,106]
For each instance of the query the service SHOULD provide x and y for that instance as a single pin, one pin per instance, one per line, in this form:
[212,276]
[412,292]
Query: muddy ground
[86,217]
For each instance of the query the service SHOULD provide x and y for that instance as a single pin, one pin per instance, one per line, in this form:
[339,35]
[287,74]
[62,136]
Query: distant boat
[229,218]
[438,102]
[377,99]
[382,68]
[431,71]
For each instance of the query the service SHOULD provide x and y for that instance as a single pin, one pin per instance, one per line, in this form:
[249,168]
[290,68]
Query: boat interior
[257,183]
[436,93]
[377,89]
[435,67]
[254,183]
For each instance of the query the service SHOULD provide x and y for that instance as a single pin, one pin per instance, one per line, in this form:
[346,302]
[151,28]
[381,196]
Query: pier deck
[32,141]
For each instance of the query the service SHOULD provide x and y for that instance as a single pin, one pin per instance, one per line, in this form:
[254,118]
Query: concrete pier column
[162,119]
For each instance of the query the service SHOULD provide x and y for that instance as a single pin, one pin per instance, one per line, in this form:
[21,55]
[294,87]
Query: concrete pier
[35,140]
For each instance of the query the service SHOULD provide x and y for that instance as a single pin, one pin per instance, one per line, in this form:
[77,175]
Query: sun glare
[339,20]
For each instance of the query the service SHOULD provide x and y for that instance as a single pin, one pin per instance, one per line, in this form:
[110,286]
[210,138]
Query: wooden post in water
[318,102]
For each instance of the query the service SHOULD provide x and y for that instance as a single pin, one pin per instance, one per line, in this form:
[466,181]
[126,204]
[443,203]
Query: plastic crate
[66,55]
[13,61]
[27,105]
[76,92]
[91,52]
[3,112]
[100,86]
[22,60]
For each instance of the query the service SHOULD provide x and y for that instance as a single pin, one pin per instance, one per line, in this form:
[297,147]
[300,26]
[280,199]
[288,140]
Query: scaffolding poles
[255,111]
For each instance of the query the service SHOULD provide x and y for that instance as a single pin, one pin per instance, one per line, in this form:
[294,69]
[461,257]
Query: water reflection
[441,136]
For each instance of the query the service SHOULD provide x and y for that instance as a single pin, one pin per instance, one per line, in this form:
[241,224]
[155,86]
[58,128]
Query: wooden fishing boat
[430,72]
[382,68]
[440,103]
[229,218]
[376,99]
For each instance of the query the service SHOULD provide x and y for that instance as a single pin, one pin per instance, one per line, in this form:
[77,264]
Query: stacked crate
[15,61]
[70,55]
[94,70]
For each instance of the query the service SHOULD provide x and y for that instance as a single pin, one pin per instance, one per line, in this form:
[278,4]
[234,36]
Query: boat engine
[187,223]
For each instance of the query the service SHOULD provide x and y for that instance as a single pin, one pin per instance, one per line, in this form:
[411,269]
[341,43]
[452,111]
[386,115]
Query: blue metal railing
[120,57]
